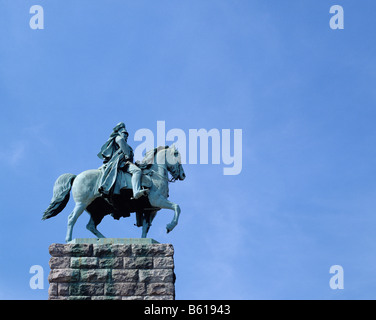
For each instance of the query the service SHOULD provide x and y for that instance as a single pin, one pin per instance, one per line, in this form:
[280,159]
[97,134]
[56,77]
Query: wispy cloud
[14,154]
[15,151]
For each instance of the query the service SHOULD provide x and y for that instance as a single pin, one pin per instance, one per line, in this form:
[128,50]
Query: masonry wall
[112,271]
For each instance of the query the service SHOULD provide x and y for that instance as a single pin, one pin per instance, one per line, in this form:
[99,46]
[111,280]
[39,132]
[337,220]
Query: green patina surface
[113,241]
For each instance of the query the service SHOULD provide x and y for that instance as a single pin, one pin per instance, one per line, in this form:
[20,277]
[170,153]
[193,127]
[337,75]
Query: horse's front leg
[157,200]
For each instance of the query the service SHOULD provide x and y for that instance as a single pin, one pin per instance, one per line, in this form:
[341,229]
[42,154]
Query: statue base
[112,268]
[114,241]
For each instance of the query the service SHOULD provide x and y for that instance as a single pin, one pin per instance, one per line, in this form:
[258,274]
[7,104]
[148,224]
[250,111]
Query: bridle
[173,179]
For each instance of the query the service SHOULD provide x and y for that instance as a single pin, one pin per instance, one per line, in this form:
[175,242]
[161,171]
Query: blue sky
[302,93]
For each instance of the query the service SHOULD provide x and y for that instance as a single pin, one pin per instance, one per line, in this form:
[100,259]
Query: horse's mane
[149,156]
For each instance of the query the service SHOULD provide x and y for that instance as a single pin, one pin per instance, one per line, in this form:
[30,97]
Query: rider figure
[117,156]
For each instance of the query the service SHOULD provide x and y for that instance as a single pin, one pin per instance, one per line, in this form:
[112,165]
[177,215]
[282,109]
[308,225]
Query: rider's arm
[124,146]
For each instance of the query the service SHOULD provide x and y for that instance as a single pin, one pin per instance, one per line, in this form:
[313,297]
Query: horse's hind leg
[72,218]
[92,227]
[145,228]
[146,223]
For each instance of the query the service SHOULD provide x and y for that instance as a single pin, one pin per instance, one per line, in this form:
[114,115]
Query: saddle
[124,180]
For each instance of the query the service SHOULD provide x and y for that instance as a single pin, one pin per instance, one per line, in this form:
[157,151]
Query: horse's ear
[173,147]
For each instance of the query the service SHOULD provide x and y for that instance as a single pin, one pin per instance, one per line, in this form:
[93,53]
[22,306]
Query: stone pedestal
[97,269]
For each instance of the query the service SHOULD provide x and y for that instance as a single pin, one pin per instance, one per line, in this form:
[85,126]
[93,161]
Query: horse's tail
[60,198]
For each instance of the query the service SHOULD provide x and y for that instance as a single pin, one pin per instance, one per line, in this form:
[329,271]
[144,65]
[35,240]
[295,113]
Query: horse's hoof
[170,227]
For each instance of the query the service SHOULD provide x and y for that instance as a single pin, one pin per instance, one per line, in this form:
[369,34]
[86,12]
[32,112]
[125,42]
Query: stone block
[138,262]
[110,263]
[70,250]
[84,262]
[95,275]
[133,298]
[121,250]
[125,289]
[156,275]
[63,289]
[64,275]
[111,250]
[106,298]
[163,263]
[160,289]
[170,297]
[52,290]
[86,289]
[59,262]
[152,250]
[125,275]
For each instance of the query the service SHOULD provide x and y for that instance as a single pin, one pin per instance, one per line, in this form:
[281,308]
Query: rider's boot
[142,192]
[136,185]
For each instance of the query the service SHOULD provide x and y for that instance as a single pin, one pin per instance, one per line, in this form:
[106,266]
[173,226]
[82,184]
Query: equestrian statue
[120,186]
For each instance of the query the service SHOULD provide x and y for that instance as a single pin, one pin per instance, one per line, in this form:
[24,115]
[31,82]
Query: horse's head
[169,158]
[173,161]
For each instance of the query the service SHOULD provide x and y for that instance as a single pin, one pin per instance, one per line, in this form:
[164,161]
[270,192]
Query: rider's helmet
[120,128]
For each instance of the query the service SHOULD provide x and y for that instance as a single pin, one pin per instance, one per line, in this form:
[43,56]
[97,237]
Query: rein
[163,177]
[172,180]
